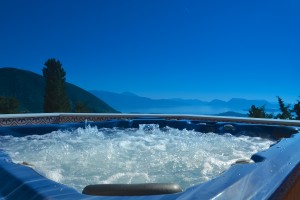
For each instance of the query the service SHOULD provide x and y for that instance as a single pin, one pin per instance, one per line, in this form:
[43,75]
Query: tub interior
[153,129]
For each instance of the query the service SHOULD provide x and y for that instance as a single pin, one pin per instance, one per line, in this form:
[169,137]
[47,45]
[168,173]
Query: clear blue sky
[160,48]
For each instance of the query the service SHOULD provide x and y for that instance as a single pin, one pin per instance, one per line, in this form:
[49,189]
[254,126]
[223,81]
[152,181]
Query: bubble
[146,154]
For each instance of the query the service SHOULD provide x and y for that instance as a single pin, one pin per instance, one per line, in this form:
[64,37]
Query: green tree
[297,110]
[286,113]
[8,105]
[258,112]
[55,99]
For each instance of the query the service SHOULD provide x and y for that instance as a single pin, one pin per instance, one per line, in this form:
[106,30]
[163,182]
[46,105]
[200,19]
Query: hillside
[28,88]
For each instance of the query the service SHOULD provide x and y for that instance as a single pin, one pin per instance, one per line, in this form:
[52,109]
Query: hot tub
[271,174]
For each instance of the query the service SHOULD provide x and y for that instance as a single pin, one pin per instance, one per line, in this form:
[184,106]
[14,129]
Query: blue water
[147,154]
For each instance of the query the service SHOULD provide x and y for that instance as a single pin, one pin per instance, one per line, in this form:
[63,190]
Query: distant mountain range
[131,103]
[28,88]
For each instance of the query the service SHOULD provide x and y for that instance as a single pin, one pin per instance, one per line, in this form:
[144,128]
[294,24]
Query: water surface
[136,155]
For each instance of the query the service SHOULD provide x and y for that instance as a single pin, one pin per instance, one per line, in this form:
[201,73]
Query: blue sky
[160,48]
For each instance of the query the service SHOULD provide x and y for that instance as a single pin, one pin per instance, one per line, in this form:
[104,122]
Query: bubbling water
[146,154]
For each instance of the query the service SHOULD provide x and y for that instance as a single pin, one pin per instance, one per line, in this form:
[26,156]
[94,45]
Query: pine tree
[258,112]
[55,99]
[285,110]
[297,110]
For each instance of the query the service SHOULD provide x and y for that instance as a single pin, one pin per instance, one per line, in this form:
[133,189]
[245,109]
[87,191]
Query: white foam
[89,156]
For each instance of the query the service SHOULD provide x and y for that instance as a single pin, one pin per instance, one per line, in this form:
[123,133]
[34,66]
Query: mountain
[232,114]
[189,101]
[28,88]
[132,103]
[128,101]
[218,103]
[129,94]
[244,103]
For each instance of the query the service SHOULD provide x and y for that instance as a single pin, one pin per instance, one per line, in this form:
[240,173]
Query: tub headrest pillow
[132,189]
